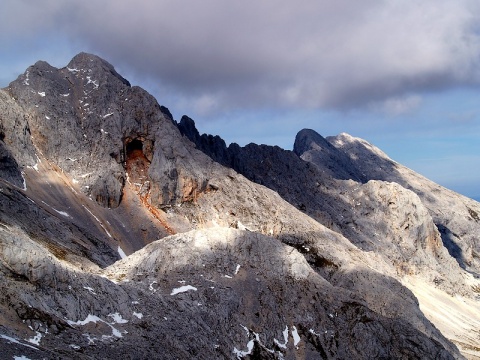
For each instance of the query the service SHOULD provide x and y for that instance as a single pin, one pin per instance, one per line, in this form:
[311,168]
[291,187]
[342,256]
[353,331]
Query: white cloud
[312,53]
[397,105]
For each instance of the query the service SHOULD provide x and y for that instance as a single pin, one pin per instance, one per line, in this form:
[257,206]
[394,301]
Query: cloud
[397,106]
[246,54]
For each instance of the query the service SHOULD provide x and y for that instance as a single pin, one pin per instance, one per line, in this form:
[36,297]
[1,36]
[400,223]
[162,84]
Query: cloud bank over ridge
[307,54]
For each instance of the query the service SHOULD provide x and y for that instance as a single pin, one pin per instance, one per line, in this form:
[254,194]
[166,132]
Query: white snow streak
[93,318]
[21,357]
[41,93]
[15,341]
[285,338]
[107,115]
[63,213]
[237,269]
[90,289]
[121,253]
[182,289]
[24,182]
[98,220]
[296,337]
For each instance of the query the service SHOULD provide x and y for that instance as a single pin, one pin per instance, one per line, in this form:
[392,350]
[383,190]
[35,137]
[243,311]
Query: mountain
[126,234]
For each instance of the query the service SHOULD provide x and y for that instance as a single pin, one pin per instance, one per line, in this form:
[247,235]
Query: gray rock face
[376,216]
[219,293]
[454,215]
[290,259]
[395,218]
[312,147]
[15,143]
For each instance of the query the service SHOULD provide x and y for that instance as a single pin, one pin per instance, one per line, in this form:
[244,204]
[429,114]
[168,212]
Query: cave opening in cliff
[134,148]
[136,162]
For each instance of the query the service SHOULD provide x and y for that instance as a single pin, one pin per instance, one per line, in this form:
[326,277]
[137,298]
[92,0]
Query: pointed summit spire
[85,60]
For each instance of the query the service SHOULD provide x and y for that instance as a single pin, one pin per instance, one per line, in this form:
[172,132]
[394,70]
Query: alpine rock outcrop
[126,234]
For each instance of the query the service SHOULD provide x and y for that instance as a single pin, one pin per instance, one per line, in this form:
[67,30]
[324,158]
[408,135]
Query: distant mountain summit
[124,233]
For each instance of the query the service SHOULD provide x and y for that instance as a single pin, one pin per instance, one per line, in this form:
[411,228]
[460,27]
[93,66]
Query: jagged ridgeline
[124,234]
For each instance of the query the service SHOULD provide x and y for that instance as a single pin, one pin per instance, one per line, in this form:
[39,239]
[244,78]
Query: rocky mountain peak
[125,233]
[308,139]
[93,63]
[315,149]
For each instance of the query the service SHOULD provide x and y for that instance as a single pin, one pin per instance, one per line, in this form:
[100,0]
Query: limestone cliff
[123,233]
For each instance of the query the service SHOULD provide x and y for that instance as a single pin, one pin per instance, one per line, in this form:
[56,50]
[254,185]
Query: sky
[402,74]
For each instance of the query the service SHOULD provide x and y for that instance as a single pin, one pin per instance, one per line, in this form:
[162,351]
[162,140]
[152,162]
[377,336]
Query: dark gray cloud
[306,54]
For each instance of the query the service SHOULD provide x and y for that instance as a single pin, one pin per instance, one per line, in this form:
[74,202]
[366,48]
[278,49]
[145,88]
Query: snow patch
[121,253]
[138,315]
[228,276]
[26,81]
[93,318]
[151,288]
[24,182]
[117,318]
[94,82]
[240,354]
[182,289]
[21,357]
[237,269]
[65,95]
[46,117]
[296,337]
[107,115]
[74,70]
[34,167]
[15,341]
[285,339]
[36,339]
[41,93]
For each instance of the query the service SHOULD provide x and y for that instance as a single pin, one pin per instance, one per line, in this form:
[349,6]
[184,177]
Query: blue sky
[401,74]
